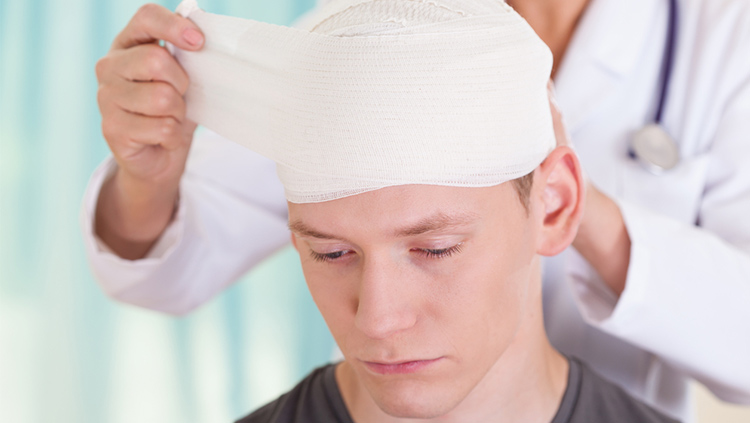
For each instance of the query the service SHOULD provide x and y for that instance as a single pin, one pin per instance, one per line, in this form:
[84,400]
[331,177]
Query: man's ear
[559,192]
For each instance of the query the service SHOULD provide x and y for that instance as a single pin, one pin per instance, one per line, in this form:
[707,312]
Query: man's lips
[399,368]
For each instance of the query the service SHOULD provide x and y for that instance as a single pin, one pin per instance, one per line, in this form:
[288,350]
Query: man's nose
[387,302]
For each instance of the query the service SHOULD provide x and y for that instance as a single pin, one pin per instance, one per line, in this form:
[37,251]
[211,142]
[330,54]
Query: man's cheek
[334,300]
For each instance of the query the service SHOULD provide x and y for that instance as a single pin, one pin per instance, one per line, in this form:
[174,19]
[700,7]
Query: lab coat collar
[605,48]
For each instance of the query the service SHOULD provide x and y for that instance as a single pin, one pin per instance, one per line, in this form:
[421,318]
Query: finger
[552,94]
[146,63]
[156,99]
[152,23]
[561,133]
[127,133]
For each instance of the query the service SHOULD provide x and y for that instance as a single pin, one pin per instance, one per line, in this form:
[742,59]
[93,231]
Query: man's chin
[414,410]
[417,403]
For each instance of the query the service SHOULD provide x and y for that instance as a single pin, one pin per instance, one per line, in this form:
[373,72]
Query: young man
[433,294]
[416,148]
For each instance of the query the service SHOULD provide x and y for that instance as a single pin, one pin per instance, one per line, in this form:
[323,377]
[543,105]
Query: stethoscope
[652,146]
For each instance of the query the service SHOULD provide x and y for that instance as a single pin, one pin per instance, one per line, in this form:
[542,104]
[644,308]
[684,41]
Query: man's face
[423,287]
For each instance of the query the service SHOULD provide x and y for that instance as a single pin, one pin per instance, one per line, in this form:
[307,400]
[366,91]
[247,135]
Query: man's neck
[554,21]
[526,383]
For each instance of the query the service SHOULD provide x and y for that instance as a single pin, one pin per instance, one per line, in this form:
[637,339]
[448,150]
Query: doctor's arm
[171,219]
[679,290]
[230,216]
[140,97]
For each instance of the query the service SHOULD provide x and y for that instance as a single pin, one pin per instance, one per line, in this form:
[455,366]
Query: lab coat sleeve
[231,215]
[687,294]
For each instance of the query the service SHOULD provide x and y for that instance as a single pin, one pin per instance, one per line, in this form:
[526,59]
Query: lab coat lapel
[606,46]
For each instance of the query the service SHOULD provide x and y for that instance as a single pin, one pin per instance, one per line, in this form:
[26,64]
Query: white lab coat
[685,312]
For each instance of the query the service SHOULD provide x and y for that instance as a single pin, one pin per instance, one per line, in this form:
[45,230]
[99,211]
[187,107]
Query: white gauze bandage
[377,93]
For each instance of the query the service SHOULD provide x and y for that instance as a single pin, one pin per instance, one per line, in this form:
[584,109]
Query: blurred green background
[67,353]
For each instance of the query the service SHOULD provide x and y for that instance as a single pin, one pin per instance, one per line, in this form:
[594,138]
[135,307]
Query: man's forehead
[403,211]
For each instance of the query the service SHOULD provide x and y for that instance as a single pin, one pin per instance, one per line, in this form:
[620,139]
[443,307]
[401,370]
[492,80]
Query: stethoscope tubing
[669,52]
[652,146]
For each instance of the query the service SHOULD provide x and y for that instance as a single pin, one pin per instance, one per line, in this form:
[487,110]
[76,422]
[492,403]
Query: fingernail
[192,37]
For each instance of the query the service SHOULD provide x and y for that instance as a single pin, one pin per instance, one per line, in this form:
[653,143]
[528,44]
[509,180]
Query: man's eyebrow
[301,229]
[437,222]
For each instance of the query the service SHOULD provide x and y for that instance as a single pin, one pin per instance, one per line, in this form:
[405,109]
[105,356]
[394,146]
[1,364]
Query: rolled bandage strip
[377,93]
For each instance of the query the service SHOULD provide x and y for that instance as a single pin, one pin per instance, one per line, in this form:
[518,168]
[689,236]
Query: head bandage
[377,93]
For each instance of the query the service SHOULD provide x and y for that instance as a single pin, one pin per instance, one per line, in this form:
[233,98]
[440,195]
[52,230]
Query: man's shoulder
[599,400]
[315,399]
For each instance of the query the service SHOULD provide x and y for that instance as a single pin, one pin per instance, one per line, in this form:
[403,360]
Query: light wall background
[67,353]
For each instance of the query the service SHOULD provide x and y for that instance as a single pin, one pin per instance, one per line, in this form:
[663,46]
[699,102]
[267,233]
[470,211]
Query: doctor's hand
[141,88]
[602,238]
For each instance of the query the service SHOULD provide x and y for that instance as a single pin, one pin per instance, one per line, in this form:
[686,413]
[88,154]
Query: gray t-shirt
[588,399]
